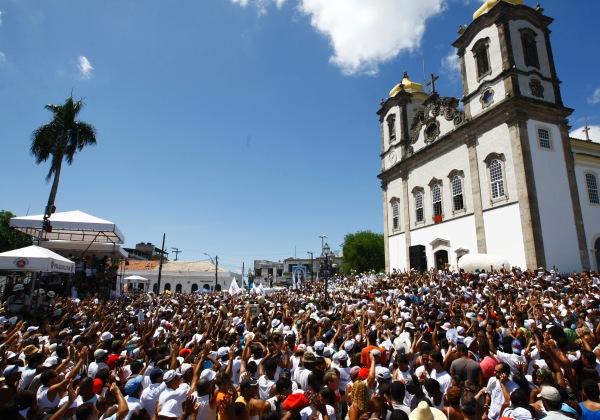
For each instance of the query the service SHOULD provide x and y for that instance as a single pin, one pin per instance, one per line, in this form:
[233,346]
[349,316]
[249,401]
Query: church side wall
[503,231]
[590,212]
[554,198]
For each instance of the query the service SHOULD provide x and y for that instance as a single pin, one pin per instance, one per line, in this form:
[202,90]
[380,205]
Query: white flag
[234,289]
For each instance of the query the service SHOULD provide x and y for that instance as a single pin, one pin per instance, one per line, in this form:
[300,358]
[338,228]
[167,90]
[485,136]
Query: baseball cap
[319,345]
[295,402]
[169,375]
[106,336]
[50,361]
[51,294]
[550,393]
[9,370]
[100,353]
[18,287]
[349,345]
[208,374]
[248,382]
[383,374]
[132,385]
[222,352]
[184,368]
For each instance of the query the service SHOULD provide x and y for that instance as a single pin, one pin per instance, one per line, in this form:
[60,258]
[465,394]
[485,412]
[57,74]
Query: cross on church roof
[432,82]
[586,130]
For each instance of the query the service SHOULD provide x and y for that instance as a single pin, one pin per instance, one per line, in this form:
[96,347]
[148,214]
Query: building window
[419,206]
[457,193]
[592,186]
[436,197]
[178,288]
[391,123]
[544,138]
[530,52]
[167,287]
[482,57]
[395,215]
[496,179]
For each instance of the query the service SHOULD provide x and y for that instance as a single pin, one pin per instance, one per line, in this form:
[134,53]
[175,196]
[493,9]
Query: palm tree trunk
[51,198]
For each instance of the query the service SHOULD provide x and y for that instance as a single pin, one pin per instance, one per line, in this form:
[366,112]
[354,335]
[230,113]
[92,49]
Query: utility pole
[162,252]
[312,269]
[176,251]
[216,264]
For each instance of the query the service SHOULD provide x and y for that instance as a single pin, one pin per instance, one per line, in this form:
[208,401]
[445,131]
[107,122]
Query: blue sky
[240,128]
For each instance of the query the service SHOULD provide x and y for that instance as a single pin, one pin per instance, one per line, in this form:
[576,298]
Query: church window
[395,214]
[482,57]
[592,187]
[496,179]
[530,52]
[419,206]
[457,193]
[391,123]
[544,138]
[436,196]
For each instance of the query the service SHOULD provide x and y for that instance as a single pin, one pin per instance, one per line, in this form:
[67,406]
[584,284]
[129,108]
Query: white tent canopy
[35,258]
[87,247]
[487,262]
[70,226]
[139,279]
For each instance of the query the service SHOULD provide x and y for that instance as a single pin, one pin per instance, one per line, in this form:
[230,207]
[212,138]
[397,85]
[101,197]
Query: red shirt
[365,357]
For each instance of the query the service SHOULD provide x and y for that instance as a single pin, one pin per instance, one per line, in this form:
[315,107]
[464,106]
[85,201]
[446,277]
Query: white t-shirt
[494,388]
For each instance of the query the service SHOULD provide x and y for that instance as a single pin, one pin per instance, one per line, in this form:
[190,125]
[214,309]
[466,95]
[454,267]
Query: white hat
[468,341]
[319,345]
[171,409]
[222,352]
[169,375]
[383,373]
[275,323]
[184,368]
[18,287]
[50,362]
[349,345]
[424,412]
[208,374]
[106,336]
[100,353]
[51,294]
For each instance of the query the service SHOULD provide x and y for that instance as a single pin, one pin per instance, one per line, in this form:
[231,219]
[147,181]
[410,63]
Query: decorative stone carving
[536,87]
[436,106]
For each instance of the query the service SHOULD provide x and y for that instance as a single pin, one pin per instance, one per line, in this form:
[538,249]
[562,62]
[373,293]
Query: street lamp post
[215,262]
[326,267]
[311,265]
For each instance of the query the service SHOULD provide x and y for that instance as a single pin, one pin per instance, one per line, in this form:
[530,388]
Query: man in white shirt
[133,389]
[494,398]
[152,392]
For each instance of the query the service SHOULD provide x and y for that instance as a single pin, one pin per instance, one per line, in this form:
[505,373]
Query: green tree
[363,251]
[9,238]
[60,139]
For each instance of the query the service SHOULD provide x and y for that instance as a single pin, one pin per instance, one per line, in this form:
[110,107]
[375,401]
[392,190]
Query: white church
[501,176]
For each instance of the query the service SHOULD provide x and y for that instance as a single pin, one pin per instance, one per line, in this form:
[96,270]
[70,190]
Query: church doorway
[441,259]
[597,252]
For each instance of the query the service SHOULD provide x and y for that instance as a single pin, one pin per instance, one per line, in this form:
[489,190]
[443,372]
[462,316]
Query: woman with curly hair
[361,396]
[452,403]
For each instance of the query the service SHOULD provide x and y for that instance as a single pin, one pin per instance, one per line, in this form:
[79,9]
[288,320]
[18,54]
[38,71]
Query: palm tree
[60,139]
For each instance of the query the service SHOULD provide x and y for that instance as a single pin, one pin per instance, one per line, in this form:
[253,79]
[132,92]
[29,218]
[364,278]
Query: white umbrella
[35,258]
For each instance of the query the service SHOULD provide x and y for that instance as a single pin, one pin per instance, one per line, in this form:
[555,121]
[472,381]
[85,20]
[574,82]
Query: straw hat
[424,412]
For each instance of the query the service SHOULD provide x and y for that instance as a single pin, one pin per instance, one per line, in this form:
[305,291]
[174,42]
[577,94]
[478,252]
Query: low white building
[183,276]
[501,176]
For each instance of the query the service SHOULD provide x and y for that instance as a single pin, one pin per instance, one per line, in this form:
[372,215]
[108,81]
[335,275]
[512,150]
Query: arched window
[496,179]
[178,288]
[482,57]
[391,123]
[530,52]
[419,206]
[544,138]
[592,187]
[218,288]
[436,198]
[167,287]
[395,214]
[457,193]
[155,287]
[194,287]
[206,286]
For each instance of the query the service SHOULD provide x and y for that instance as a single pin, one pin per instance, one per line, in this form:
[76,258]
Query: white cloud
[85,68]
[364,34]
[0,17]
[2,58]
[595,98]
[451,66]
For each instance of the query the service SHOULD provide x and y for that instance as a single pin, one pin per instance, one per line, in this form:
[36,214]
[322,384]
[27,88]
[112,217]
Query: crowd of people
[519,345]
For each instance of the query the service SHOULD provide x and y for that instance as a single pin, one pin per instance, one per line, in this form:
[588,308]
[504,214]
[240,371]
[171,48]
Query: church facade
[500,176]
